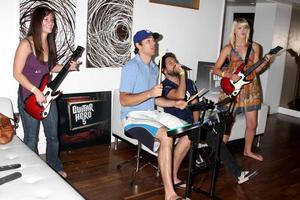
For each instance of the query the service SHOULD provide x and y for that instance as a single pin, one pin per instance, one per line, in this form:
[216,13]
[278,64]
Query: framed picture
[193,4]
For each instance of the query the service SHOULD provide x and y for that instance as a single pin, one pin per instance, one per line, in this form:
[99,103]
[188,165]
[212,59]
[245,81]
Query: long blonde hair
[237,21]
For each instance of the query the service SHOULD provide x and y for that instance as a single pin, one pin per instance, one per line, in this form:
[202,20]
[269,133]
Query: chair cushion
[142,135]
[38,180]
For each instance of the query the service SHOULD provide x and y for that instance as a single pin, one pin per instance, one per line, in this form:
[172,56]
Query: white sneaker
[246,175]
[201,163]
[199,160]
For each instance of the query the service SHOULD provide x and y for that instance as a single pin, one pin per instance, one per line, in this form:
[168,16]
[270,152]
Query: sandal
[181,198]
[180,185]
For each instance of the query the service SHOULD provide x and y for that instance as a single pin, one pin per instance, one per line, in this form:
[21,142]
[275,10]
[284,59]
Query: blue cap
[143,34]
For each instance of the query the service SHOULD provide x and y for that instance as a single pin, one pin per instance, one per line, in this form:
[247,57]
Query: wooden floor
[92,170]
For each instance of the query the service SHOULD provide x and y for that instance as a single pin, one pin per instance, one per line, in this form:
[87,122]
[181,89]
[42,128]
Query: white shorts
[152,121]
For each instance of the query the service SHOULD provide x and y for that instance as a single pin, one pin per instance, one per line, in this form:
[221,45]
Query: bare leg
[225,138]
[180,151]
[251,124]
[165,162]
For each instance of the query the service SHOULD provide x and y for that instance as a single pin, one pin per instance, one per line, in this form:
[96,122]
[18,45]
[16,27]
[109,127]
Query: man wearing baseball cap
[139,93]
[141,35]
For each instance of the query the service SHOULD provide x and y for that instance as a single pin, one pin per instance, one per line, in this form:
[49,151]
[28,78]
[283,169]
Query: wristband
[33,89]
[222,75]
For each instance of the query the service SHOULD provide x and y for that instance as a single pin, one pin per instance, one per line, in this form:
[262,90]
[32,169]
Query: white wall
[9,39]
[263,33]
[192,34]
[269,32]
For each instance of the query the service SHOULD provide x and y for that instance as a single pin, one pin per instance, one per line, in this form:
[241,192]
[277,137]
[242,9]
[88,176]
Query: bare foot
[177,198]
[63,174]
[171,197]
[254,156]
[176,181]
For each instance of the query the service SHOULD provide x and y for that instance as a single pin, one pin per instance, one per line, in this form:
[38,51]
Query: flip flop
[180,185]
[182,198]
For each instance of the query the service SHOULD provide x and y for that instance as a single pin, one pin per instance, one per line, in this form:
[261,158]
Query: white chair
[131,138]
[38,180]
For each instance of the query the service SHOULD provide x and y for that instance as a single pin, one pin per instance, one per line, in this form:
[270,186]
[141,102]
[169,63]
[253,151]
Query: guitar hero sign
[83,114]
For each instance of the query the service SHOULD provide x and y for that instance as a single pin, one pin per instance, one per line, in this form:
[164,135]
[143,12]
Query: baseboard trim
[289,112]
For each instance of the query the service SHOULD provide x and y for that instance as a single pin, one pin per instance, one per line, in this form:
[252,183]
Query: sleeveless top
[34,70]
[249,98]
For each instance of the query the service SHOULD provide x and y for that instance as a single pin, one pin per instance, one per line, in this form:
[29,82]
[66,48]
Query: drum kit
[212,114]
[214,119]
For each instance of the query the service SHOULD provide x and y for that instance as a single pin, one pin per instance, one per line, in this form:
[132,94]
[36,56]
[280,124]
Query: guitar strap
[248,53]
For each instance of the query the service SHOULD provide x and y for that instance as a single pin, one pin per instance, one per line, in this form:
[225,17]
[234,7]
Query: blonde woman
[249,99]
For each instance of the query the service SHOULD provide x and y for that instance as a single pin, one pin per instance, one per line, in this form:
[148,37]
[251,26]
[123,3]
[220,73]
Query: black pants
[228,160]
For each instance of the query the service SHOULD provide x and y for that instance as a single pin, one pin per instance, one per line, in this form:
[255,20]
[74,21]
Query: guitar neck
[253,67]
[258,63]
[60,77]
[64,71]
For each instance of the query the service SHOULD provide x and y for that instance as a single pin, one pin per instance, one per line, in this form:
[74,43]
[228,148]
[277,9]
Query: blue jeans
[31,129]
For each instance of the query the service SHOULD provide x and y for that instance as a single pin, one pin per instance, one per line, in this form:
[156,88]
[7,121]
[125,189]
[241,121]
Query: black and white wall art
[109,25]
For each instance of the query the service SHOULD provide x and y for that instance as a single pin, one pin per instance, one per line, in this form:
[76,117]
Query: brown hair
[167,55]
[35,30]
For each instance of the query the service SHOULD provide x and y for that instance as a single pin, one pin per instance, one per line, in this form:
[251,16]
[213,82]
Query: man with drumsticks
[177,87]
[139,93]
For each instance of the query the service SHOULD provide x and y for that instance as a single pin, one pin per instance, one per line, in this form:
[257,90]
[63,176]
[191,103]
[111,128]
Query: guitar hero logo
[83,112]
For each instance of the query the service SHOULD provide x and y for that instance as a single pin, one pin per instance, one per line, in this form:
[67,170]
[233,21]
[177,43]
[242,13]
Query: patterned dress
[249,98]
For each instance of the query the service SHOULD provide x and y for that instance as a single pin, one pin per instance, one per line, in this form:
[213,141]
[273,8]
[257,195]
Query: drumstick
[193,97]
[159,75]
[160,64]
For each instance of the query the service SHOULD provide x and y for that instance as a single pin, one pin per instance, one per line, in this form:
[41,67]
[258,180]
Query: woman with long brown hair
[34,58]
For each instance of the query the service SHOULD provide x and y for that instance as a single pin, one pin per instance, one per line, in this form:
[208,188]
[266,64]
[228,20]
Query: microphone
[185,68]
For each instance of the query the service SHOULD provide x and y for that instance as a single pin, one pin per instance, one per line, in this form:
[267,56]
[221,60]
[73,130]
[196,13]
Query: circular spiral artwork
[65,18]
[109,32]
